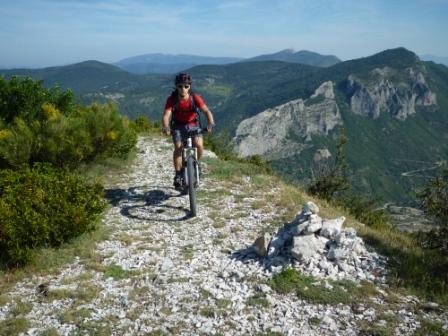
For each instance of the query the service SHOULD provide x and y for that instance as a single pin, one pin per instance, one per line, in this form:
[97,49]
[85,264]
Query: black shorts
[179,132]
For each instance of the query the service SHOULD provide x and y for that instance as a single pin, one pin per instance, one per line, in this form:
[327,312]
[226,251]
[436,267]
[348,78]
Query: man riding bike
[181,115]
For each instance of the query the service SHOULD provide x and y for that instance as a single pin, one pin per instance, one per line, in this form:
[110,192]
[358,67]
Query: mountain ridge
[168,63]
[81,77]
[302,56]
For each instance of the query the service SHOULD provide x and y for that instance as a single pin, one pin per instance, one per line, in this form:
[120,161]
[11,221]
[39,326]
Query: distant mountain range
[166,63]
[393,106]
[302,57]
[169,64]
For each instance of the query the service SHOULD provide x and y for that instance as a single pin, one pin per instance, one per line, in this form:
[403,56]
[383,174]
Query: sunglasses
[180,86]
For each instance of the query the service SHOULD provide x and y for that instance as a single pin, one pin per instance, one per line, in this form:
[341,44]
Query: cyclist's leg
[177,154]
[177,157]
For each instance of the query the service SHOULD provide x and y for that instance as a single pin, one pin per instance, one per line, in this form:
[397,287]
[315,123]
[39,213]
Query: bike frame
[190,165]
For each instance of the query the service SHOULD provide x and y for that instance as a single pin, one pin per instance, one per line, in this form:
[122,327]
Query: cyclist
[182,114]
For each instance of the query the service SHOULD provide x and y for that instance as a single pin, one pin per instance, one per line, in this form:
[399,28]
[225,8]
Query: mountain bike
[190,167]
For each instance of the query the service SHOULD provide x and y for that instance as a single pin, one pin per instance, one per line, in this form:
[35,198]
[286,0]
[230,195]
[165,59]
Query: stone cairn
[321,248]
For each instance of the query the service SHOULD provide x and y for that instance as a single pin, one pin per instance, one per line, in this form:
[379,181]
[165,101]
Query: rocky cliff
[386,90]
[287,128]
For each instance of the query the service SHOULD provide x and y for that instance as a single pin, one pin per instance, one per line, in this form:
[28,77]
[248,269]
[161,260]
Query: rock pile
[321,247]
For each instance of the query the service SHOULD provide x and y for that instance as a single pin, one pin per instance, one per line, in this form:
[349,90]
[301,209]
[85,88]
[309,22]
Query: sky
[40,33]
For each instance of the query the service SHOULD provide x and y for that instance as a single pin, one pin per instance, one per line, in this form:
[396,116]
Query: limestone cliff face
[286,129]
[385,90]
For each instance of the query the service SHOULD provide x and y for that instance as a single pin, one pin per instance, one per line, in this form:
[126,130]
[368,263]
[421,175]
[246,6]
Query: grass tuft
[312,290]
[258,300]
[116,272]
[14,326]
[429,327]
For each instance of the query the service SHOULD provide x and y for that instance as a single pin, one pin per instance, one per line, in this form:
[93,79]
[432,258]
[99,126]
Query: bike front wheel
[191,185]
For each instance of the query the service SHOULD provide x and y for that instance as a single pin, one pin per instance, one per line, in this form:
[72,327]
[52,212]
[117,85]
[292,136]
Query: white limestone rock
[268,132]
[332,227]
[345,236]
[305,247]
[314,224]
[337,253]
[261,245]
[275,246]
[310,208]
[297,230]
[381,93]
[321,155]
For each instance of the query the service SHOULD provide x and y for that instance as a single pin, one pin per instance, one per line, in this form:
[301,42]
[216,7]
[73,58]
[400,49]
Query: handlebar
[197,131]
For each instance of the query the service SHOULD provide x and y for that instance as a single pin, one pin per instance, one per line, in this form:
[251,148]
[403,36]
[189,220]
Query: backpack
[193,107]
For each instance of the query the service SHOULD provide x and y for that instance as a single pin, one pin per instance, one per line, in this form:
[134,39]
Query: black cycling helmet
[182,78]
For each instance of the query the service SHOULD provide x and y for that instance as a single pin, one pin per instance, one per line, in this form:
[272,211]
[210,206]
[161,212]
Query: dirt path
[160,272]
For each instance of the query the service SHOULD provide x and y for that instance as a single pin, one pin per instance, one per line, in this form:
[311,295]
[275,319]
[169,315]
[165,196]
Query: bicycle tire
[191,188]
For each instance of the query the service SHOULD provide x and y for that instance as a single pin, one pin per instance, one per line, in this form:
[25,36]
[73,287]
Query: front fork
[188,151]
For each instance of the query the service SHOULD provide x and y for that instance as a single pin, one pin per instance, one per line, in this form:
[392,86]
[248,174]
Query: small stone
[360,275]
[345,267]
[261,245]
[432,305]
[263,288]
[381,323]
[167,265]
[314,224]
[331,228]
[329,323]
[298,229]
[324,265]
[310,208]
[275,245]
[42,289]
[238,275]
[337,253]
[327,285]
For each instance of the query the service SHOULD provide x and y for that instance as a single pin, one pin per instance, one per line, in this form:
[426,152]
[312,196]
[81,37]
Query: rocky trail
[160,272]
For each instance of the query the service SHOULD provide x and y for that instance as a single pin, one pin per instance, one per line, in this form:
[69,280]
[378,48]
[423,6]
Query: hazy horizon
[46,33]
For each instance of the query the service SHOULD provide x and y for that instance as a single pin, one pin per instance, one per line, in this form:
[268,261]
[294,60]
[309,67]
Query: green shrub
[24,97]
[221,144]
[434,198]
[365,210]
[259,162]
[331,183]
[330,179]
[44,125]
[141,124]
[110,133]
[42,206]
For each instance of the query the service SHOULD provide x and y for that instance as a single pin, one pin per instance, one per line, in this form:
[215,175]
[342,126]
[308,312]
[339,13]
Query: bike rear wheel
[191,183]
